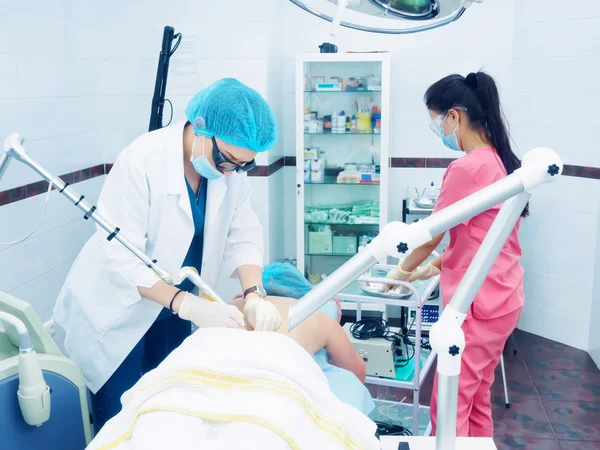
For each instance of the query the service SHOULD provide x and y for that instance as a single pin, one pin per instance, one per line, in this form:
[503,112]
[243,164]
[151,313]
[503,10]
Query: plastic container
[320,242]
[365,125]
[346,245]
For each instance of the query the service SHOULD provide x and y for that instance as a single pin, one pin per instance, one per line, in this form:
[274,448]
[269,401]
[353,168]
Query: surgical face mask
[203,165]
[450,141]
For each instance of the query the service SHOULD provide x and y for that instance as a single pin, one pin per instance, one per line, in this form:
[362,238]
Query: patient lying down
[227,388]
[316,332]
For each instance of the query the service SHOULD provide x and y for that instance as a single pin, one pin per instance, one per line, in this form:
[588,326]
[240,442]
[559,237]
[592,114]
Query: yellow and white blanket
[224,389]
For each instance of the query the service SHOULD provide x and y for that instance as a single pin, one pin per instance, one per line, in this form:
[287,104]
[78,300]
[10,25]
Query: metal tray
[376,290]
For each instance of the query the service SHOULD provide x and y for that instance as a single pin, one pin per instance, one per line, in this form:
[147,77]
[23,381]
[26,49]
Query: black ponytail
[478,94]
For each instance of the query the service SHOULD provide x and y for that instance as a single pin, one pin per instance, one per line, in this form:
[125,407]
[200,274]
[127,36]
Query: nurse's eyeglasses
[437,122]
[224,164]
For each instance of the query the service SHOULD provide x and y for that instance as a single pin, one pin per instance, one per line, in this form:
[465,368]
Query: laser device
[378,353]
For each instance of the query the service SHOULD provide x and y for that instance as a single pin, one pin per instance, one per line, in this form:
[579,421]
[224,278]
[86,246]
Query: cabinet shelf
[344,92]
[335,255]
[330,179]
[348,225]
[342,134]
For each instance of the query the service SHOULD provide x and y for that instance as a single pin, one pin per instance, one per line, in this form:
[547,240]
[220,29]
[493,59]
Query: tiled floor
[554,392]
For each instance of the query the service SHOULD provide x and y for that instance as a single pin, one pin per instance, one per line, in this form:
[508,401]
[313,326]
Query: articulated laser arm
[398,239]
[13,148]
[447,339]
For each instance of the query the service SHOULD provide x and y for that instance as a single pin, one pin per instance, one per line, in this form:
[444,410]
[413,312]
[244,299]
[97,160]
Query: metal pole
[461,302]
[13,148]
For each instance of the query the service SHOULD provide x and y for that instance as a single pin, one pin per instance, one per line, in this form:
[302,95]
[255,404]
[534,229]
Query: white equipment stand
[420,294]
[429,443]
[13,148]
[398,239]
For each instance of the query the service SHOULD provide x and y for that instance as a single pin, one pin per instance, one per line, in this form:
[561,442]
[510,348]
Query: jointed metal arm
[446,336]
[13,148]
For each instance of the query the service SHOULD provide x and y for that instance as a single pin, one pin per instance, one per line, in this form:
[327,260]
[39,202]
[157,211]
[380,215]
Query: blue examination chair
[43,397]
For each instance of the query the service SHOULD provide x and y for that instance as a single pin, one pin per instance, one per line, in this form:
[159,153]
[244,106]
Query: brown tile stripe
[40,187]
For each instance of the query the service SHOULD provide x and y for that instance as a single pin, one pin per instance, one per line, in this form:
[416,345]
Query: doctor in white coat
[181,195]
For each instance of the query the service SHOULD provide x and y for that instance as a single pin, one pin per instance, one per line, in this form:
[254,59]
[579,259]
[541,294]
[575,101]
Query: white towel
[223,389]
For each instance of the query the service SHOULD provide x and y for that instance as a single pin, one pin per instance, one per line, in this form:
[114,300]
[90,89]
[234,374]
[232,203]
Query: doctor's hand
[205,313]
[261,314]
[396,274]
[424,273]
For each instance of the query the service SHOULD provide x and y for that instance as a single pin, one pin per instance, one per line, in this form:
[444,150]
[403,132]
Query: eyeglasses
[224,164]
[437,122]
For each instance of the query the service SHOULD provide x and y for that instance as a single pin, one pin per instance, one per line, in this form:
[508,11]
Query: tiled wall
[556,59]
[594,341]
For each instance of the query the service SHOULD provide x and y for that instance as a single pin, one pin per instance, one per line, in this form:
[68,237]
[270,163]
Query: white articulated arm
[398,239]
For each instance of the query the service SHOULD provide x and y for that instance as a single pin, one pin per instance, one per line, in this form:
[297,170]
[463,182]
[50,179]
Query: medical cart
[356,299]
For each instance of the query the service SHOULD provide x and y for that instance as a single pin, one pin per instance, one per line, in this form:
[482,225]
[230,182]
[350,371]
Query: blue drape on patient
[285,280]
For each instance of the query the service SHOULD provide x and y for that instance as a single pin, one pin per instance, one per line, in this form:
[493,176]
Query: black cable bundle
[373,328]
[388,429]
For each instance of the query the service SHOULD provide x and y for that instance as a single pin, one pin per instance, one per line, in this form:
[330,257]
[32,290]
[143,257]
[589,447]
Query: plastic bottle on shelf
[431,191]
[364,240]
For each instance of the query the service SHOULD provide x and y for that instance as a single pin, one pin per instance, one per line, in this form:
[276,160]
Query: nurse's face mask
[437,126]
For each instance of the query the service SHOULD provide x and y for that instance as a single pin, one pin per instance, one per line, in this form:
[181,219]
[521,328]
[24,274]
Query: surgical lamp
[387,16]
[13,148]
[397,239]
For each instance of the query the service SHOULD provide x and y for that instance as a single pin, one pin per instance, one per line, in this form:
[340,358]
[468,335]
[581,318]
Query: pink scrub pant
[485,341]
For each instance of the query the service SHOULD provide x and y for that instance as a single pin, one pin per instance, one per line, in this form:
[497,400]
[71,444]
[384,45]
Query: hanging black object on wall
[326,47]
[160,86]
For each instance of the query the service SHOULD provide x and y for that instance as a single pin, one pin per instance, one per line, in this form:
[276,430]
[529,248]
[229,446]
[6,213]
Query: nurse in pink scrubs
[466,114]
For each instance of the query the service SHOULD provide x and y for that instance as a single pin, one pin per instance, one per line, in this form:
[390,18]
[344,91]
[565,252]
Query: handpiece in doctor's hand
[206,314]
[424,273]
[261,314]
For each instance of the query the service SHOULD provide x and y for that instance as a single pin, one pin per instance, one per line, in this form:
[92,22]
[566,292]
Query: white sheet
[225,389]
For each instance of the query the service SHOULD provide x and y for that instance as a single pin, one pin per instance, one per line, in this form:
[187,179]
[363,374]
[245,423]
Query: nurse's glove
[262,315]
[396,274]
[205,313]
[424,273]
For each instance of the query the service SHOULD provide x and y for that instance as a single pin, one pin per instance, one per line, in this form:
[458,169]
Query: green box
[345,245]
[319,242]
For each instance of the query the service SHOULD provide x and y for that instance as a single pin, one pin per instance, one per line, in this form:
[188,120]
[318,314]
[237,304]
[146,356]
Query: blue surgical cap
[234,113]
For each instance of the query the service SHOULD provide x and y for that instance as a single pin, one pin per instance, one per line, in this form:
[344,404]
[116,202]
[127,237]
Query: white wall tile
[544,11]
[19,218]
[8,75]
[560,326]
[259,198]
[558,292]
[558,39]
[556,259]
[38,255]
[42,292]
[594,338]
[574,146]
[550,225]
[557,75]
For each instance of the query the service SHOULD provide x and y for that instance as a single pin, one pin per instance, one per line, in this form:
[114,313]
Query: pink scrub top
[502,291]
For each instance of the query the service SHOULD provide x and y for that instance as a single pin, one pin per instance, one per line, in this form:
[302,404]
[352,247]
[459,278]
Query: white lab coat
[146,196]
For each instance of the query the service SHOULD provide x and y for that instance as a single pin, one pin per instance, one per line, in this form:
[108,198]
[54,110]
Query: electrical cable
[28,235]
[171,106]
[388,429]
